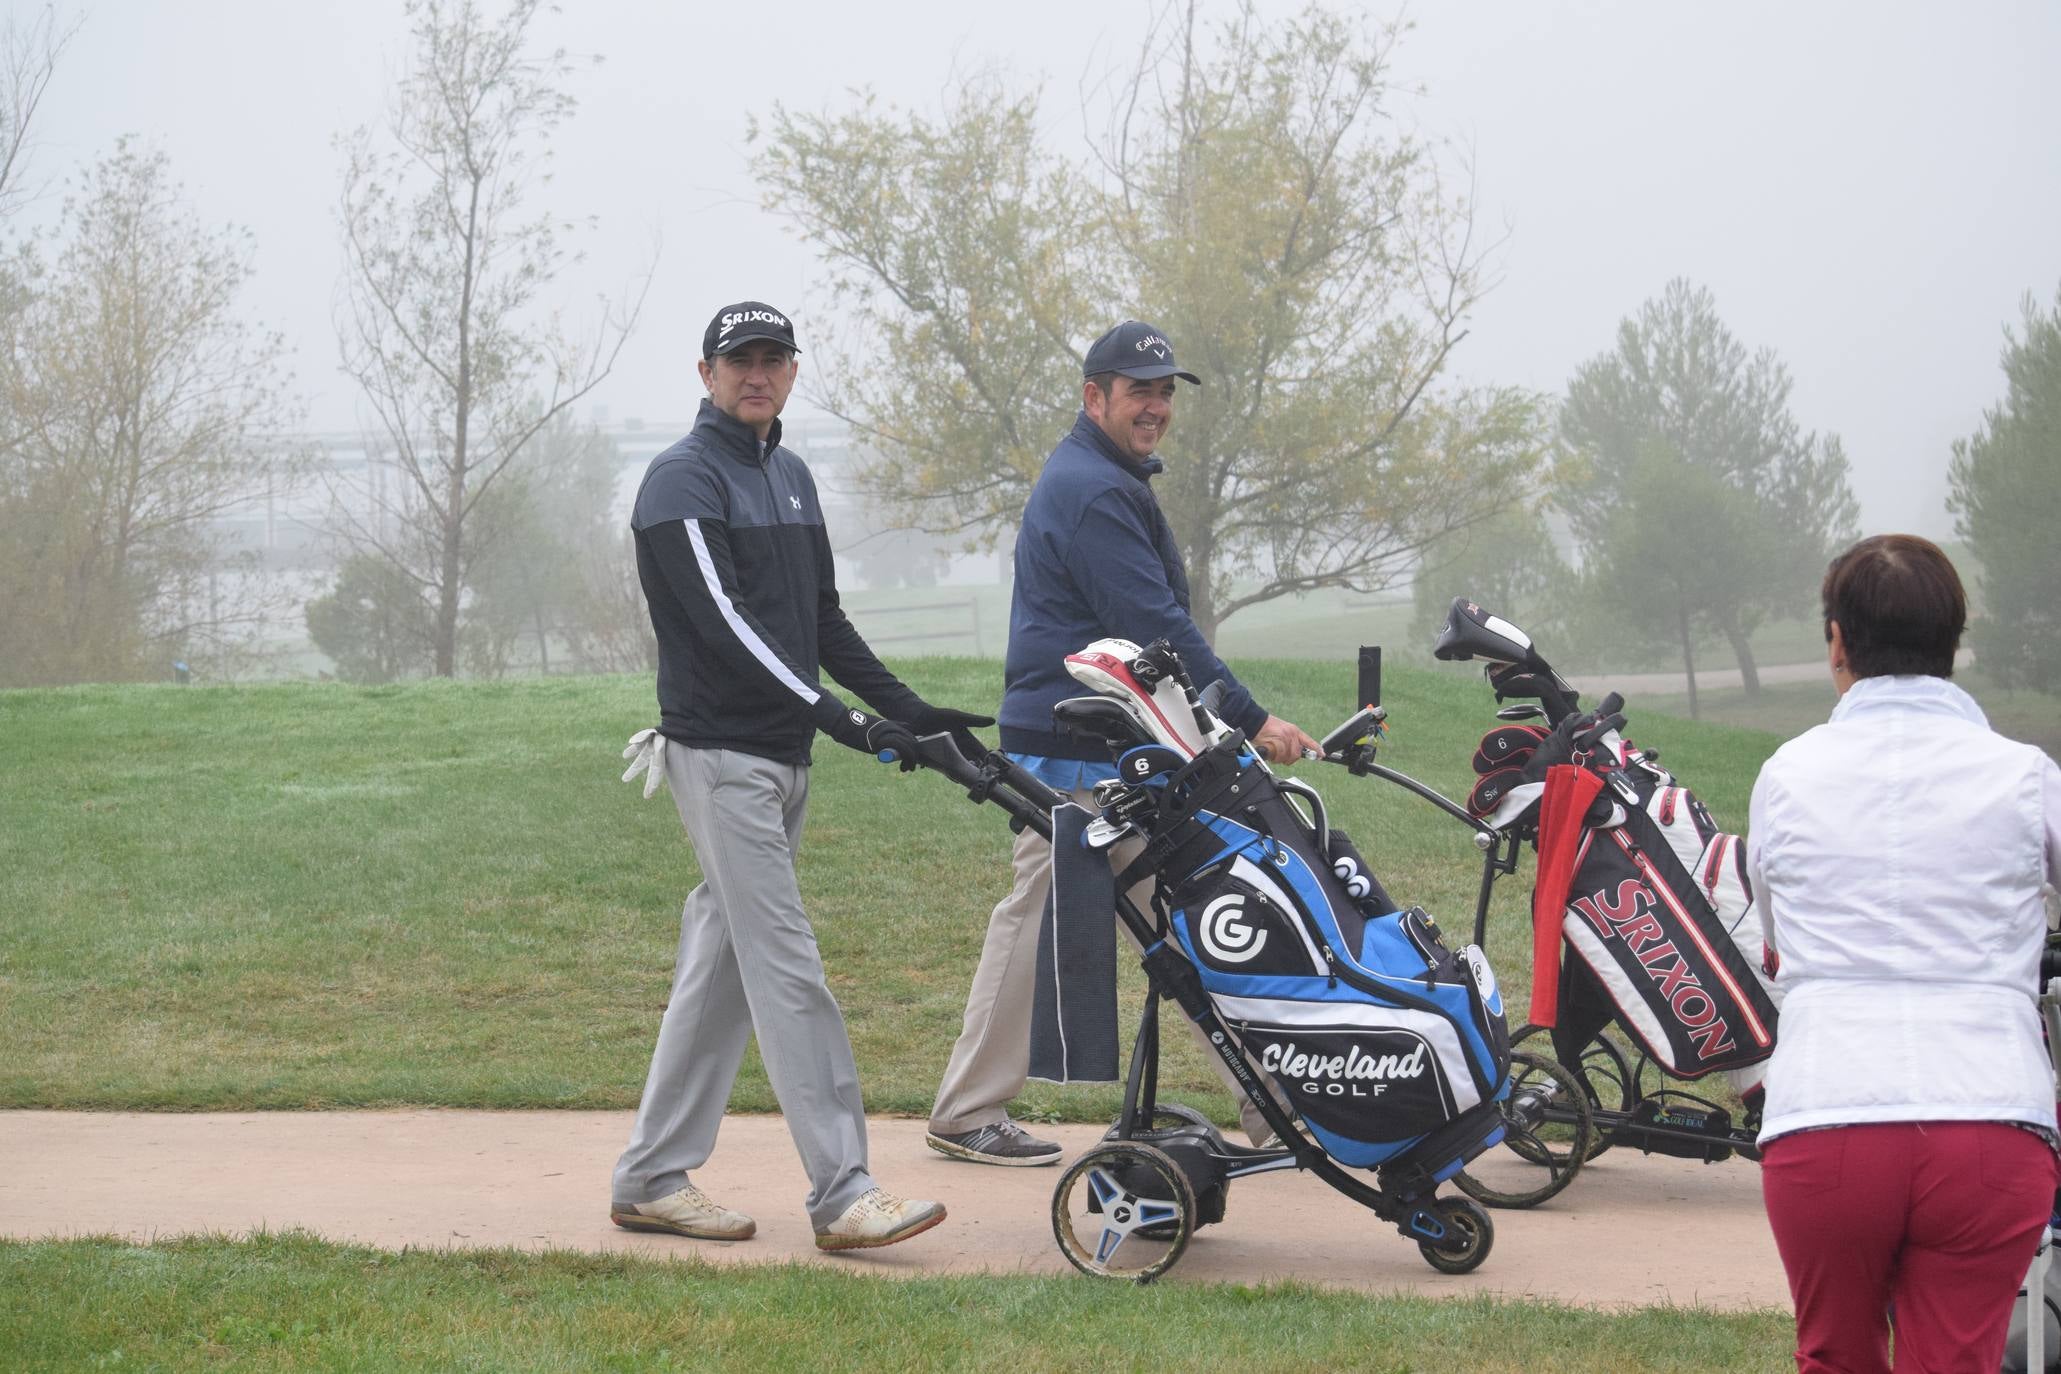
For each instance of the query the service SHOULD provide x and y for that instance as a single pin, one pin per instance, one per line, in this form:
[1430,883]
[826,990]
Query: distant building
[355,481]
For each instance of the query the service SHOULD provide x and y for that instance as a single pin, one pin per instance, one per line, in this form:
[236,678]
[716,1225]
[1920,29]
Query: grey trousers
[747,962]
[991,1059]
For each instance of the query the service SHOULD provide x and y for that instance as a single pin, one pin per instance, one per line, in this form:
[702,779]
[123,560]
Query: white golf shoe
[879,1218]
[689,1212]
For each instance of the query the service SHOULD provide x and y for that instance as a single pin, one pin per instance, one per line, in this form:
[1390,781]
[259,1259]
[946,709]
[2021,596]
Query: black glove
[936,720]
[872,735]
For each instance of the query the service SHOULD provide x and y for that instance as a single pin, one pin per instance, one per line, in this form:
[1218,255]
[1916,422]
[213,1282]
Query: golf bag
[1652,905]
[1386,1042]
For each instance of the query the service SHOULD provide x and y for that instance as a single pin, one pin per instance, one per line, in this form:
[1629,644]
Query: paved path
[1631,1230]
[1594,685]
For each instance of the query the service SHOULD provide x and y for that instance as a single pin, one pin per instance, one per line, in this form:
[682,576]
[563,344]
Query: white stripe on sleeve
[741,627]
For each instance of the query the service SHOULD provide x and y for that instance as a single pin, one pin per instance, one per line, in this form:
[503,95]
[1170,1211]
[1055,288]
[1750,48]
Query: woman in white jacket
[1899,851]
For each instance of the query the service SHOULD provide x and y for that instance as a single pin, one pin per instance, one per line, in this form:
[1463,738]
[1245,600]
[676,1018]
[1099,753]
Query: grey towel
[1073,1010]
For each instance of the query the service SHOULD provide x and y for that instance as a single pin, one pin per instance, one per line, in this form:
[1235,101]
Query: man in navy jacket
[1095,559]
[737,568]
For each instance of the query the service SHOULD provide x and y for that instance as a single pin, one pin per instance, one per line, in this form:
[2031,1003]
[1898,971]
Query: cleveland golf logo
[1352,1074]
[1226,936]
[737,317]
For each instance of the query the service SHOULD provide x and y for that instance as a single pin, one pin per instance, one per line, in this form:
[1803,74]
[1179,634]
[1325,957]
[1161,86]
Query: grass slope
[307,895]
[289,1303]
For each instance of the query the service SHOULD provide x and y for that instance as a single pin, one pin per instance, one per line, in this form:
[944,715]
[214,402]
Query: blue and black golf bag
[1387,1043]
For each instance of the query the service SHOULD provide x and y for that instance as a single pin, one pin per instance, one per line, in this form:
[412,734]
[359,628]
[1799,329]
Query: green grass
[304,895]
[289,1302]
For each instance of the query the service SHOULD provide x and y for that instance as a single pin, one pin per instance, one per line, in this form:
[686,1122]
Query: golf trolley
[1580,1089]
[1267,933]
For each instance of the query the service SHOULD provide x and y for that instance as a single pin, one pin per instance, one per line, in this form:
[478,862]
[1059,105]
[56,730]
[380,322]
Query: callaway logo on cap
[1135,349]
[746,320]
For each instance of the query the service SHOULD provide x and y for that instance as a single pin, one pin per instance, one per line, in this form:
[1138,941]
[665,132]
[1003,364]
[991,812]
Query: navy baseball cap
[1135,349]
[746,320]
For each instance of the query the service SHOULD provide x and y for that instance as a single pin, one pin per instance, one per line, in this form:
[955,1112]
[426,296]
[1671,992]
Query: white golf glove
[646,752]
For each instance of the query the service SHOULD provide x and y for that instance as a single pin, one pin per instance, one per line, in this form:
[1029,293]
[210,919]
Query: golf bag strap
[1179,848]
[1569,790]
[1178,853]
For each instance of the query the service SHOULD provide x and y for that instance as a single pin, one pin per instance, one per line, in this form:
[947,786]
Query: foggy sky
[1867,188]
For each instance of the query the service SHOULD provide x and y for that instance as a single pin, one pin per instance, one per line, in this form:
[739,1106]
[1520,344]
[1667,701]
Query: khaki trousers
[991,1059]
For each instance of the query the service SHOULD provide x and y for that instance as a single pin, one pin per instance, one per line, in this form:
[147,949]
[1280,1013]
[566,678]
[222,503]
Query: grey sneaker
[689,1212]
[1004,1142]
[879,1218]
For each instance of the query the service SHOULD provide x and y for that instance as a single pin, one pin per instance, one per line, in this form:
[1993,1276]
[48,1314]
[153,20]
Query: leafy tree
[444,280]
[1697,502]
[1508,562]
[140,407]
[2005,493]
[1255,198]
[374,623]
[554,580]
[559,571]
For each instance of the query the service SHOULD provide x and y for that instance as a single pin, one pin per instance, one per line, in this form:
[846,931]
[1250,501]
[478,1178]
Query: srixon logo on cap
[737,317]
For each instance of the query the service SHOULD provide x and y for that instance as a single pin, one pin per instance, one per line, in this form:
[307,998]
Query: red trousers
[1927,1226]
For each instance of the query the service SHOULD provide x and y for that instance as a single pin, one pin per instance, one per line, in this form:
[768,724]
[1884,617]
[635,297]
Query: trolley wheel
[1470,1235]
[1548,1126]
[1613,1080]
[1172,1116]
[1123,1210]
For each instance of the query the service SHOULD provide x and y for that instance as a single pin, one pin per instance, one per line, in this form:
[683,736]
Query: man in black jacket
[737,570]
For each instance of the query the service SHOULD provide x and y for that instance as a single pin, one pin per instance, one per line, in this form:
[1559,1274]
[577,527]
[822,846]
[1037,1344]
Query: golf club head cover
[1490,789]
[1507,746]
[1500,762]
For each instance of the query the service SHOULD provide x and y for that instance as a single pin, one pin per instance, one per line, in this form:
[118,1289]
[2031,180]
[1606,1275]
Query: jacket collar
[732,435]
[1934,695]
[1090,433]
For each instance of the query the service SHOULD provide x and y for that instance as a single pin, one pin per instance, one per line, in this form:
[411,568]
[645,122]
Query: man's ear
[707,370]
[1093,401]
[1835,646]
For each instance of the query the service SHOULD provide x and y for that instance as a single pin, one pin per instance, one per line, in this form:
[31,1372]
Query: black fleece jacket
[737,571]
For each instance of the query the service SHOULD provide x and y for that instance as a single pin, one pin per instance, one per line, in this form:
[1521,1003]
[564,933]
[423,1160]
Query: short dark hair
[1106,381]
[1899,606]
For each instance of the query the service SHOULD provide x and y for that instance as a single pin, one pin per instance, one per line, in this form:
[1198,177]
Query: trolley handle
[994,777]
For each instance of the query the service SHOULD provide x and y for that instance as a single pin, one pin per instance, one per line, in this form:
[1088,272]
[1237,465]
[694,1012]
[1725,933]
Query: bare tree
[28,59]
[1255,197]
[142,408]
[444,274]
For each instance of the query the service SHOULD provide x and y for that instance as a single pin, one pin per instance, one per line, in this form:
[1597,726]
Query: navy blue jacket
[737,571]
[1096,559]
